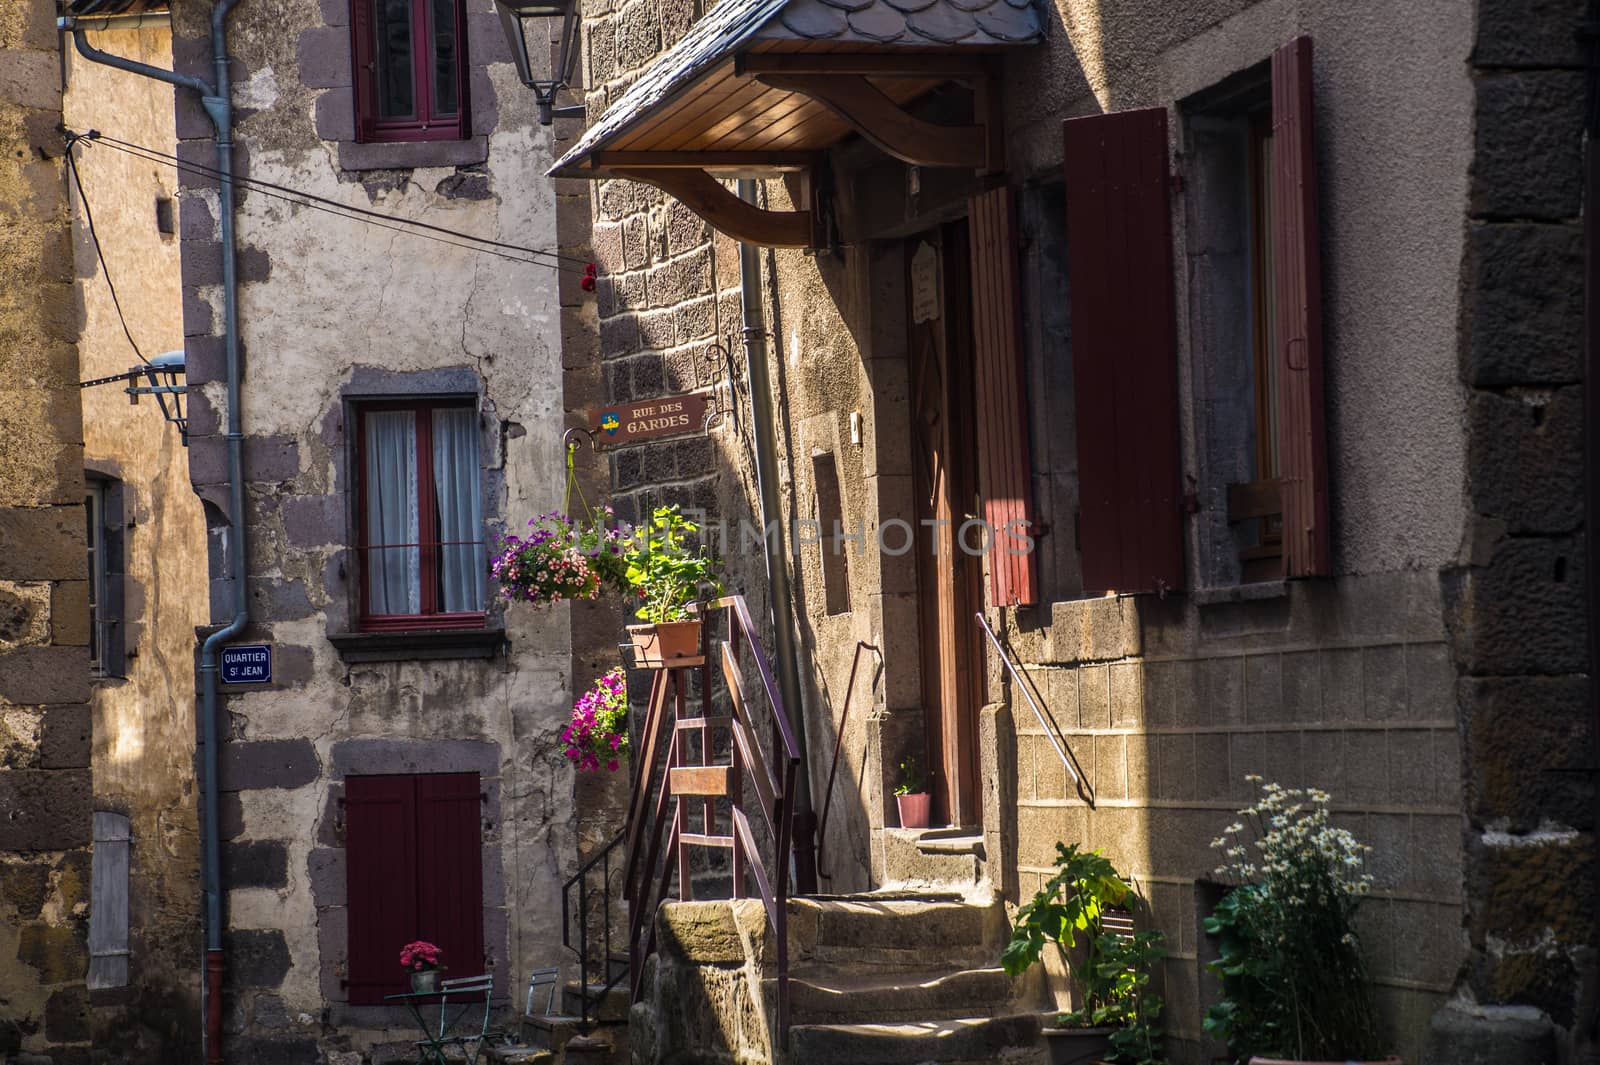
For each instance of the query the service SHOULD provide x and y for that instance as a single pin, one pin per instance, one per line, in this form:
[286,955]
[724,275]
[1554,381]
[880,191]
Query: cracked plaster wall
[332,308]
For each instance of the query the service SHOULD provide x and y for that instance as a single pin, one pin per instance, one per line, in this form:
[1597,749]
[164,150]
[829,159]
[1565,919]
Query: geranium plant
[420,956]
[664,571]
[1110,973]
[562,558]
[1294,982]
[598,732]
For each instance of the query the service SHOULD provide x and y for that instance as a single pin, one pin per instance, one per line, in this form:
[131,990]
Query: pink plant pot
[914,809]
[658,646]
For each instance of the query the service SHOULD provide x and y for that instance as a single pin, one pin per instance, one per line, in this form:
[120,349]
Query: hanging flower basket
[561,558]
[597,735]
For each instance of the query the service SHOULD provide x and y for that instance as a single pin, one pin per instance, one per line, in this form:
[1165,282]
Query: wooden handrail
[648,872]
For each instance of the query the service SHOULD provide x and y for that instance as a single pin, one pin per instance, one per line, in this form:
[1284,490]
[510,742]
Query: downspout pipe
[775,544]
[1589,38]
[216,98]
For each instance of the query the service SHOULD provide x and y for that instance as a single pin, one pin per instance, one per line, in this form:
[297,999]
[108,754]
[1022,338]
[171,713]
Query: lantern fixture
[513,15]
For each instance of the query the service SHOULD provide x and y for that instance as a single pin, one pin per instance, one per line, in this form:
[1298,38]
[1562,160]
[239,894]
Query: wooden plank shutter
[450,868]
[1124,351]
[1297,334]
[381,882]
[1004,468]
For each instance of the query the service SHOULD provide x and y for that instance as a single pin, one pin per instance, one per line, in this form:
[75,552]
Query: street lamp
[513,13]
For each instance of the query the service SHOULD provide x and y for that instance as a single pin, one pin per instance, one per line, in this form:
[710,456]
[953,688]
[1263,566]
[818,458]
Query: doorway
[945,483]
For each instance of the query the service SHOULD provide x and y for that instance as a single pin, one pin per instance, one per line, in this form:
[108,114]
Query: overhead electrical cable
[301,198]
[88,217]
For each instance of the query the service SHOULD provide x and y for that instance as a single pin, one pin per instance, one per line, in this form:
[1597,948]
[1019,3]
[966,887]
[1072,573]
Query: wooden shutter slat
[1297,338]
[381,878]
[1004,467]
[450,867]
[1124,351]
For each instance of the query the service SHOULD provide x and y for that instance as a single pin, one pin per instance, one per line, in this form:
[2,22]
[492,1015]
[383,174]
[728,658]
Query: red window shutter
[362,67]
[1124,351]
[380,879]
[1004,469]
[1297,338]
[450,864]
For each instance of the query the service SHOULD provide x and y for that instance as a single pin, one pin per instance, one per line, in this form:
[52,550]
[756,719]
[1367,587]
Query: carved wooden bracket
[894,129]
[711,200]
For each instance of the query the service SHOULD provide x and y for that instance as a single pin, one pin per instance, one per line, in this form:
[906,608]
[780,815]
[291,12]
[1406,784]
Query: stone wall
[155,594]
[45,722]
[335,310]
[1517,615]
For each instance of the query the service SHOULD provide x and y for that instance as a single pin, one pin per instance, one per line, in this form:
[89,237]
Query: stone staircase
[884,978]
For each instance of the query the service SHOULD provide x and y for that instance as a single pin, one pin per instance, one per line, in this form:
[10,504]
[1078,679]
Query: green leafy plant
[1111,974]
[1294,982]
[663,570]
[912,782]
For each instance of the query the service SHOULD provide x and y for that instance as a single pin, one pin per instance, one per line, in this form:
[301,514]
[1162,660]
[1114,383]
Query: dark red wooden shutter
[1004,469]
[1297,338]
[450,869]
[380,880]
[1124,351]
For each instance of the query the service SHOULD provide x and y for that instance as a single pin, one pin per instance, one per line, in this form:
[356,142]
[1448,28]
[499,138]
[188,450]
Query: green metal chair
[465,990]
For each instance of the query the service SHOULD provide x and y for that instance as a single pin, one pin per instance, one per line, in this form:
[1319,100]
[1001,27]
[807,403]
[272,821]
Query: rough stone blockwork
[1517,610]
[44,668]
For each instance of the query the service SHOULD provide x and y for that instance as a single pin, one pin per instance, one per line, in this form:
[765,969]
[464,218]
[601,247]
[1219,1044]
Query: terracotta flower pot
[1390,1060]
[657,646]
[1076,1046]
[914,809]
[1290,1061]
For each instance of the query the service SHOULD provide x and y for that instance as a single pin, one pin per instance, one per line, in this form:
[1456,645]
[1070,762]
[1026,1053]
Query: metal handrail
[774,794]
[580,880]
[838,745]
[1045,722]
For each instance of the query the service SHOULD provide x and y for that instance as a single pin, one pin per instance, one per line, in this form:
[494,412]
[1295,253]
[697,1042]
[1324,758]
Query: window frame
[371,128]
[94,505]
[427,519]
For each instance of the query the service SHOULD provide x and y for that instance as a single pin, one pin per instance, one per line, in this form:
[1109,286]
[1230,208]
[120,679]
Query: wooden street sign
[631,423]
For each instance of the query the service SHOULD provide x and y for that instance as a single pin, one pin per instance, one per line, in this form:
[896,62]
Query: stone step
[874,930]
[939,856]
[518,1056]
[1012,1039]
[607,1006]
[825,995]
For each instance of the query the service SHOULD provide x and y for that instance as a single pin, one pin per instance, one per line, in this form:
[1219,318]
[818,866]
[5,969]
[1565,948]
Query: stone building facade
[45,714]
[148,529]
[343,324]
[1432,677]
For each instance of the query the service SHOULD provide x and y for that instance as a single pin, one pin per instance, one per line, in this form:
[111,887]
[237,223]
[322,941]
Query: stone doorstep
[828,994]
[1010,1039]
[888,924]
[939,857]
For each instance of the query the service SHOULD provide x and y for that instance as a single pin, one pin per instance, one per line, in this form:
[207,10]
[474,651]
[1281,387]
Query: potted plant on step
[424,962]
[1110,971]
[669,577]
[911,795]
[1294,983]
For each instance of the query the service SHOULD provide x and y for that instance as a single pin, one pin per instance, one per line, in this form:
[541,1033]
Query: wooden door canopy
[758,88]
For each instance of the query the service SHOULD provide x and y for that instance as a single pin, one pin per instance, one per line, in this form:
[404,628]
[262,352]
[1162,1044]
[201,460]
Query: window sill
[417,645]
[410,155]
[1240,593]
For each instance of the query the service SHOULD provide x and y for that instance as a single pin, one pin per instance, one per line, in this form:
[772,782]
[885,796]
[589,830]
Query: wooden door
[949,580]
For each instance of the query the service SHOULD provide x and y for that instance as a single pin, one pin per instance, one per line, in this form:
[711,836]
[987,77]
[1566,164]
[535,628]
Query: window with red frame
[421,549]
[410,69]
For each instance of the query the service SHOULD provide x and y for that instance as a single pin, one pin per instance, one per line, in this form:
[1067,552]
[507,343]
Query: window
[1252,220]
[103,544]
[421,551]
[830,517]
[108,901]
[410,70]
[414,870]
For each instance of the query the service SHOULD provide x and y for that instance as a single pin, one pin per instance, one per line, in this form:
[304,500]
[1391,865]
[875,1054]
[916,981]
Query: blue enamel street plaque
[247,664]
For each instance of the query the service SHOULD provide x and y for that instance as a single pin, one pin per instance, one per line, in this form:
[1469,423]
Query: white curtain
[394,574]
[462,562]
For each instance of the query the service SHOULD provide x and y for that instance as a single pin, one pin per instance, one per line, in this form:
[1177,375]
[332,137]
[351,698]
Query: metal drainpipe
[217,102]
[1589,35]
[776,552]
